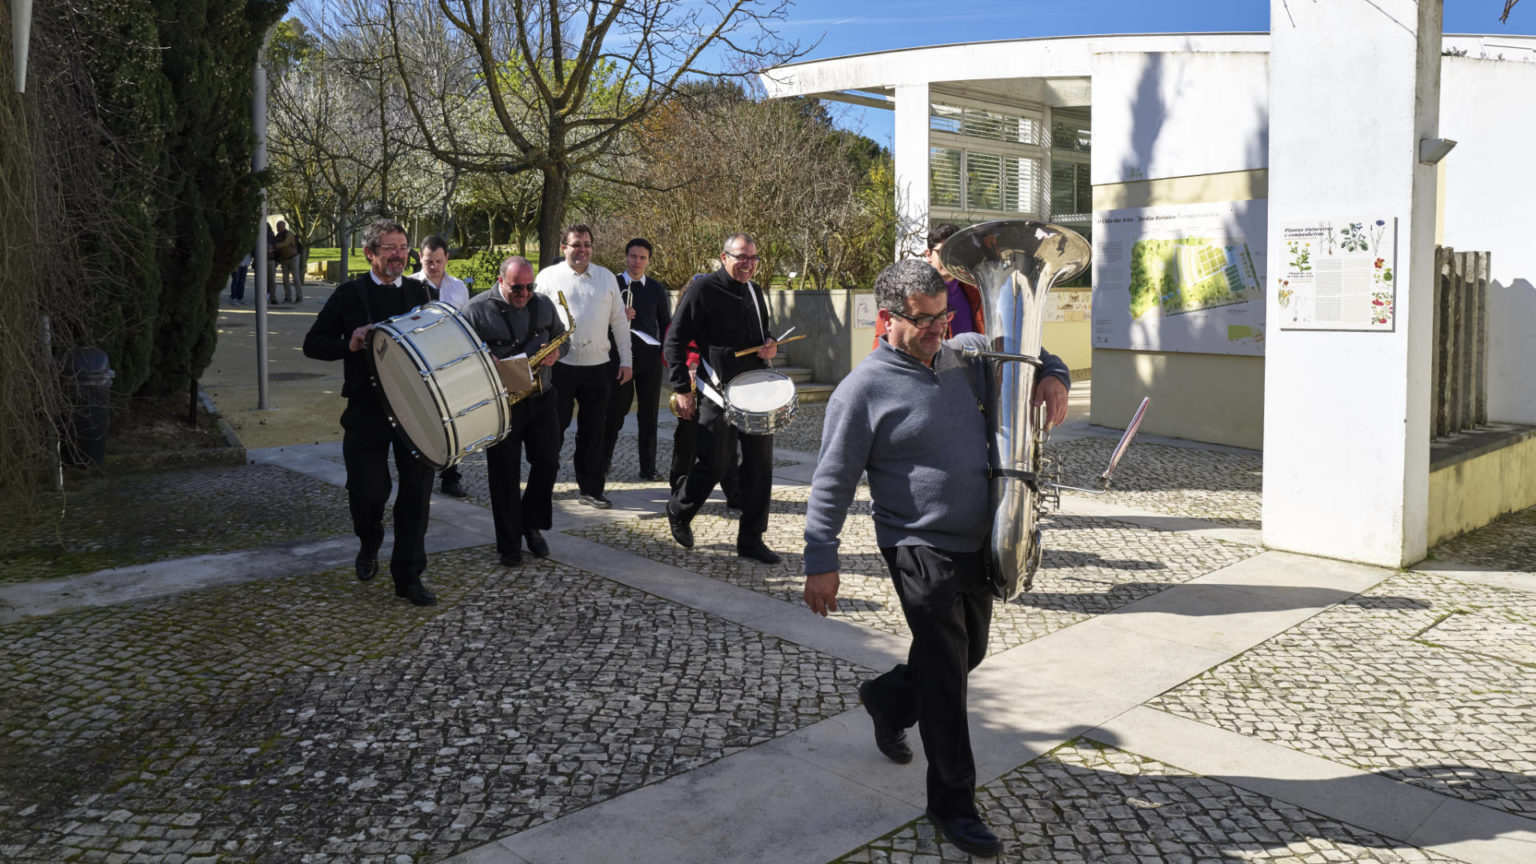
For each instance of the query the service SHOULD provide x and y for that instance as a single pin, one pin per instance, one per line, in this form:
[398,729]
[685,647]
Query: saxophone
[539,355]
[1015,263]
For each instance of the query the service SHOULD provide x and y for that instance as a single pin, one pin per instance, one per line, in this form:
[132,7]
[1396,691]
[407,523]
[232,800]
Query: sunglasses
[516,286]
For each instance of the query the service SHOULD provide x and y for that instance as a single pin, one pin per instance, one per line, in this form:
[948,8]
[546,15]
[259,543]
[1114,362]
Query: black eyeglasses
[923,322]
[746,259]
[519,286]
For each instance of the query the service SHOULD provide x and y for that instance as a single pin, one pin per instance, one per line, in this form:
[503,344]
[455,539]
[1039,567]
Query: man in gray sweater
[910,416]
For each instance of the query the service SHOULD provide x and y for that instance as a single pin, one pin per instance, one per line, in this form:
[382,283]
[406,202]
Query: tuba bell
[1015,263]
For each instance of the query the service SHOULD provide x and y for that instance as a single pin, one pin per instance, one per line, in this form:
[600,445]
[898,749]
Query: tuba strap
[1029,477]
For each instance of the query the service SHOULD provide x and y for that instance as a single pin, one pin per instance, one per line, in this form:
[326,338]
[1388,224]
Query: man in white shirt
[453,291]
[582,380]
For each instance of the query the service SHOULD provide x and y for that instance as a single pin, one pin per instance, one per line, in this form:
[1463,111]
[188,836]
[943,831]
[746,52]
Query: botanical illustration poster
[1186,278]
[1339,274]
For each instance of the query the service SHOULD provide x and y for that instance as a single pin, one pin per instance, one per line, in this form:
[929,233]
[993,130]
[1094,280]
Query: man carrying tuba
[909,415]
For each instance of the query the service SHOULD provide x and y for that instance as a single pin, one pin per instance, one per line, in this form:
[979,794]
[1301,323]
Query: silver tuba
[1015,263]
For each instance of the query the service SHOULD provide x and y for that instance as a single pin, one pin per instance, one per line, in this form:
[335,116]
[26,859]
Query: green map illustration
[1188,274]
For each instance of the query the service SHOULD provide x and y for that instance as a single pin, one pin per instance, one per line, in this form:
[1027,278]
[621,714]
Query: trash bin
[87,384]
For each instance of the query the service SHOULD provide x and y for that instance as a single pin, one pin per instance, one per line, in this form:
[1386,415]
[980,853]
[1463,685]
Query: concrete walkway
[1170,691]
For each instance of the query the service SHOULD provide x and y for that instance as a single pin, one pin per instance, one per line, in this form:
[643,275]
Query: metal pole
[259,256]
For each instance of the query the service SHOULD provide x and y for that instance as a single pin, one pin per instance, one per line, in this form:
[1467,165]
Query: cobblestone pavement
[1222,486]
[1090,565]
[1089,802]
[1424,678]
[115,520]
[327,722]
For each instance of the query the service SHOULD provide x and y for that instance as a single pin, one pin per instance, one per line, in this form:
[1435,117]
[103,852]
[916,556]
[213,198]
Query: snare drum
[761,402]
[439,383]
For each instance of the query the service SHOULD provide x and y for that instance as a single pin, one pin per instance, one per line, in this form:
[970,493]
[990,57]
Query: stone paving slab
[1402,681]
[1090,802]
[1090,565]
[1506,544]
[315,719]
[114,520]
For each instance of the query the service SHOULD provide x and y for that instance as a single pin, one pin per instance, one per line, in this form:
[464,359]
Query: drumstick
[745,351]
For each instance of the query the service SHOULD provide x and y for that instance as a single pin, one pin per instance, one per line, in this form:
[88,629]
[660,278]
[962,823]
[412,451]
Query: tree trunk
[551,213]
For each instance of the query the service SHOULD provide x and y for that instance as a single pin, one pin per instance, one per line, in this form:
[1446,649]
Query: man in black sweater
[648,311]
[513,320]
[340,332]
[723,312]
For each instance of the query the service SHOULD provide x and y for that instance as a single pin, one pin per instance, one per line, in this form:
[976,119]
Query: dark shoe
[536,543]
[757,550]
[598,501]
[513,560]
[649,477]
[733,503]
[969,834]
[416,593]
[367,566]
[680,530]
[452,487]
[891,739]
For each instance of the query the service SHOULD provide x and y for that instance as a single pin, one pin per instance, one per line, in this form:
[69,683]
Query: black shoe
[969,834]
[536,543]
[598,501]
[416,593]
[367,566]
[732,503]
[757,550]
[454,488]
[649,477]
[680,530]
[513,560]
[891,739]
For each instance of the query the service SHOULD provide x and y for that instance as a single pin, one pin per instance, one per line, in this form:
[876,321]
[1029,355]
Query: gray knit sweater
[921,435]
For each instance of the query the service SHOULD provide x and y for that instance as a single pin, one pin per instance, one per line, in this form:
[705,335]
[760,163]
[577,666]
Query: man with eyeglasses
[582,380]
[964,297]
[722,312]
[513,320]
[909,415]
[340,332]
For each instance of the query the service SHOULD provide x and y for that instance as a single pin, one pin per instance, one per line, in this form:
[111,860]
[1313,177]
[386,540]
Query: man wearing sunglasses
[722,312]
[513,320]
[909,415]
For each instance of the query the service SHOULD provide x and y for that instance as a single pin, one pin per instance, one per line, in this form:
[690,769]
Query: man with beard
[513,320]
[340,332]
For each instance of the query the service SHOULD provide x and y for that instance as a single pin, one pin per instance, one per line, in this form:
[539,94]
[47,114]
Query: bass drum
[439,384]
[761,402]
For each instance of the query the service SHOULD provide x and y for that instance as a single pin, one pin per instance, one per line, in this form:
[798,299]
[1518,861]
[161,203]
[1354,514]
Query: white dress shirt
[453,291]
[595,301]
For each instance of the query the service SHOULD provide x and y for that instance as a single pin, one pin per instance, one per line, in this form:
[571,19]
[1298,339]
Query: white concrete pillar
[910,143]
[1354,85]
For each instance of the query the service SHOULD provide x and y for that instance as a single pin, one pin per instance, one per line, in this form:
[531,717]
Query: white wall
[1158,115]
[1490,186]
[1353,88]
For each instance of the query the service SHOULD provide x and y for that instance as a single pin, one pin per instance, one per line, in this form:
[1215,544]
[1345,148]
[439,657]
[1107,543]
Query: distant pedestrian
[285,251]
[237,281]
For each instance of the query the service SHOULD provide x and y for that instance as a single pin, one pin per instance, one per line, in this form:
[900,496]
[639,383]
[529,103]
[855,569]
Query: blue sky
[840,27]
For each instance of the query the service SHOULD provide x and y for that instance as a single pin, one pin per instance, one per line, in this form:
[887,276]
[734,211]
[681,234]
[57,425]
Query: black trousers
[684,444]
[715,446]
[646,386]
[365,447]
[948,606]
[514,509]
[583,390]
